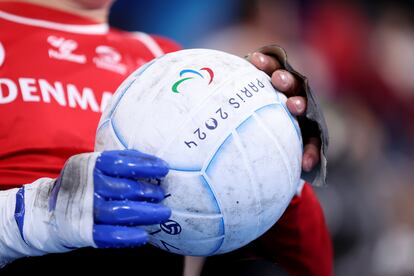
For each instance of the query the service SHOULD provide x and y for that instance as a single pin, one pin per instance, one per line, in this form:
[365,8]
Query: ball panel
[293,121]
[195,211]
[189,192]
[116,98]
[235,189]
[281,128]
[106,138]
[270,169]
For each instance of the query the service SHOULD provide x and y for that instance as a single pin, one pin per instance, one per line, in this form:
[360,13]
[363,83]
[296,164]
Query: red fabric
[300,241]
[38,130]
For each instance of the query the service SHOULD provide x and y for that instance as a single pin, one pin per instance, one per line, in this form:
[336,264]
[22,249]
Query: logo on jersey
[63,49]
[109,59]
[193,74]
[2,54]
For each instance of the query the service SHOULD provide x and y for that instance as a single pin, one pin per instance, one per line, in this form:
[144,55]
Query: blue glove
[99,200]
[124,199]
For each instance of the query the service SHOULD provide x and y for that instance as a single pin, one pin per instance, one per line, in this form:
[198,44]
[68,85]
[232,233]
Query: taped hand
[99,200]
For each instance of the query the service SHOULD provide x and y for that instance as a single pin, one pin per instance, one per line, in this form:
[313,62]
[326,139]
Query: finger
[123,188]
[131,163]
[264,62]
[296,105]
[285,82]
[129,213]
[311,154]
[109,236]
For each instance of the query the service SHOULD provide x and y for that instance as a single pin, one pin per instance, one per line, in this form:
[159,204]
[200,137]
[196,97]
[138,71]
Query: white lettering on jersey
[56,91]
[28,88]
[84,99]
[40,90]
[8,91]
[2,54]
[109,59]
[65,47]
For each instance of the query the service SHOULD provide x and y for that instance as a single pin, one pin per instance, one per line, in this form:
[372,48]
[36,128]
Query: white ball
[233,149]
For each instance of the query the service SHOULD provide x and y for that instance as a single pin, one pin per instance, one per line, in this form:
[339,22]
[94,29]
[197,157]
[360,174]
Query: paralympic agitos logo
[188,74]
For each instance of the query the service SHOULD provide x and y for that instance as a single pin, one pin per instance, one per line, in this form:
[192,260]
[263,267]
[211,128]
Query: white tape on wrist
[49,216]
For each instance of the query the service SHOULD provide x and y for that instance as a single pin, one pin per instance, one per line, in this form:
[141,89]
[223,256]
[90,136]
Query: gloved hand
[98,200]
[123,198]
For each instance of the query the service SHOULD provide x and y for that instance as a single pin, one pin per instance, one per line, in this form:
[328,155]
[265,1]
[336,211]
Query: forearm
[47,216]
[14,208]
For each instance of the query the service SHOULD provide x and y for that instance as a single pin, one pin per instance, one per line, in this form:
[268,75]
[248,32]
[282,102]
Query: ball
[233,149]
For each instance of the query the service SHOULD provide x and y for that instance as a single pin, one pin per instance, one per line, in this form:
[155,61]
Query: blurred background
[359,57]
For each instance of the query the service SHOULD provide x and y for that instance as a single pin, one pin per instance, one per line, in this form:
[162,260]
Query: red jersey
[57,73]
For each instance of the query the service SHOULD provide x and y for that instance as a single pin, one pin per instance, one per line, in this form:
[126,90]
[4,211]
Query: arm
[98,200]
